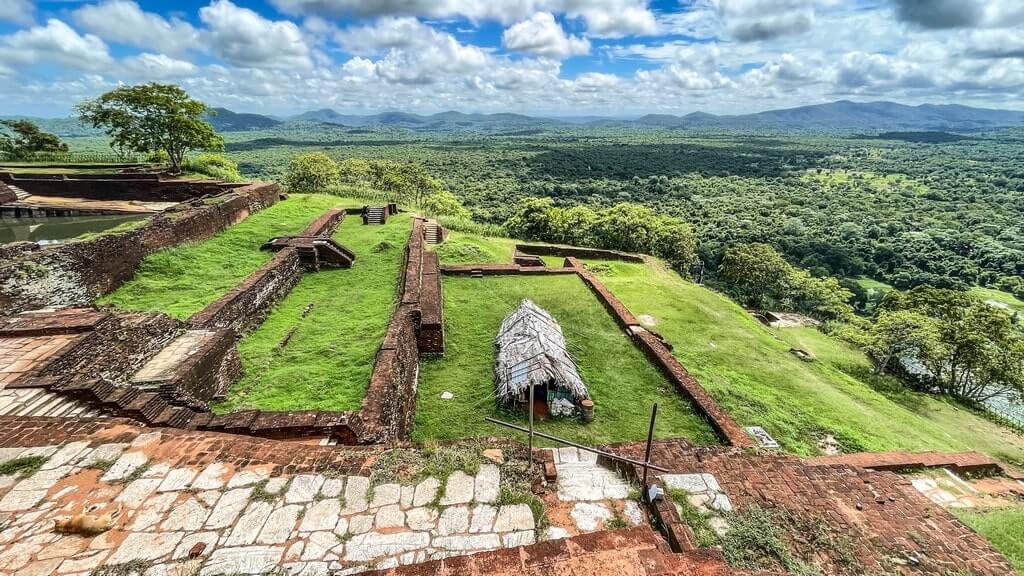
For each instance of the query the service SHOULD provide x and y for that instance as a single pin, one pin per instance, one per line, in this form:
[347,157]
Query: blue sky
[544,57]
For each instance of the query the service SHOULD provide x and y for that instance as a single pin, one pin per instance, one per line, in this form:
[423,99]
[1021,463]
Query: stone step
[164,366]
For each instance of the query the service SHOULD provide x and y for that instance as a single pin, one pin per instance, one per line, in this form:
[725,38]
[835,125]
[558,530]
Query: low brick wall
[389,407]
[115,349]
[502,270]
[968,462]
[141,187]
[431,334]
[6,194]
[206,375]
[246,306]
[76,273]
[592,253]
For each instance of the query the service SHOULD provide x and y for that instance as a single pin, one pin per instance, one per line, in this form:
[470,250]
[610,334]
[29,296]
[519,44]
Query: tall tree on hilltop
[152,118]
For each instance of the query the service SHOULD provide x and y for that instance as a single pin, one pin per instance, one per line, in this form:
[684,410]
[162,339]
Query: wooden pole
[647,452]
[531,425]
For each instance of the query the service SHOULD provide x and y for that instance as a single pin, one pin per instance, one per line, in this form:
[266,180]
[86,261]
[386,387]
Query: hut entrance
[532,353]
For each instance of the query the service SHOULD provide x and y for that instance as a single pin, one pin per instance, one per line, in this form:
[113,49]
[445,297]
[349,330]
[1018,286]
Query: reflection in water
[59,228]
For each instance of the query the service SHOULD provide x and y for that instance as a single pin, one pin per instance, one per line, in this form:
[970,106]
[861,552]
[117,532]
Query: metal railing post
[647,452]
[531,425]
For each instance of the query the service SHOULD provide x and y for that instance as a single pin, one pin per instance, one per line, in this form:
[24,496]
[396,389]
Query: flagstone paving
[208,516]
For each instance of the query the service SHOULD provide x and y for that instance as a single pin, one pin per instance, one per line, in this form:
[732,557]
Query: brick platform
[896,461]
[889,526]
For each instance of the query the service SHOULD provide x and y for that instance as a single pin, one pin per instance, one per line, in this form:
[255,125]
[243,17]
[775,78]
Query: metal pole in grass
[531,425]
[647,452]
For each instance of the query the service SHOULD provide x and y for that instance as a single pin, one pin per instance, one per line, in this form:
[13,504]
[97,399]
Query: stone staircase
[37,402]
[375,215]
[432,232]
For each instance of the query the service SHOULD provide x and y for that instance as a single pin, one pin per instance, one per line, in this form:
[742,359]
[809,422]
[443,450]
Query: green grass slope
[182,280]
[1003,527]
[334,321]
[622,383]
[752,374]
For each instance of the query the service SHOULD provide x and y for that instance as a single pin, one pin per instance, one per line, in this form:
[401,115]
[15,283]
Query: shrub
[312,172]
[214,166]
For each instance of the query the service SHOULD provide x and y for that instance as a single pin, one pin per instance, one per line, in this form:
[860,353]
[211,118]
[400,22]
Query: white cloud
[611,18]
[125,22]
[543,36]
[54,43]
[751,20]
[158,66]
[243,38]
[17,11]
[386,33]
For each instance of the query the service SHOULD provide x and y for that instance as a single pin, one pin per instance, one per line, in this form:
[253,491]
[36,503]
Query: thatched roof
[531,351]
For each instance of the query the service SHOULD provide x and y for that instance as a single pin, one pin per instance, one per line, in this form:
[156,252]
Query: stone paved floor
[588,496]
[210,516]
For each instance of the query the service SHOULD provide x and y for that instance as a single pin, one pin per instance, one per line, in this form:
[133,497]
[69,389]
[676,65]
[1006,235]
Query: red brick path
[889,525]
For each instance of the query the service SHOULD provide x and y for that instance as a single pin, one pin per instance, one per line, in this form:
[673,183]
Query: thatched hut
[532,352]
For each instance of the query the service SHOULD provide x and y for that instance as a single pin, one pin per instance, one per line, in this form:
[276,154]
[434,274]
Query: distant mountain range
[841,116]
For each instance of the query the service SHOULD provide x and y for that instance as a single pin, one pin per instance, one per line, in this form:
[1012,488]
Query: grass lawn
[461,248]
[1008,300]
[622,383]
[753,375]
[182,280]
[1002,527]
[337,319]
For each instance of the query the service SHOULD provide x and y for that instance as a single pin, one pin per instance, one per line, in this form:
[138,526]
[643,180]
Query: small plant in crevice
[21,467]
[135,474]
[101,465]
[261,494]
[618,519]
[133,568]
[694,518]
[757,540]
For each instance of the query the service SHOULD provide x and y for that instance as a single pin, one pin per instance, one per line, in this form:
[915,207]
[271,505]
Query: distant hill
[224,120]
[848,116]
[863,118]
[440,122]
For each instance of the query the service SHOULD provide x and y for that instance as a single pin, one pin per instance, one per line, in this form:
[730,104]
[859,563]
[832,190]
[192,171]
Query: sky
[540,57]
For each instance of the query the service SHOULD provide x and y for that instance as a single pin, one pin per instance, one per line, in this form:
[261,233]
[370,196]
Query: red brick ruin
[86,362]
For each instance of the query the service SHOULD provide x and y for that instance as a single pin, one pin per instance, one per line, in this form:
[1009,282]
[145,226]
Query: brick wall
[6,194]
[246,306]
[431,334]
[593,253]
[76,273]
[141,187]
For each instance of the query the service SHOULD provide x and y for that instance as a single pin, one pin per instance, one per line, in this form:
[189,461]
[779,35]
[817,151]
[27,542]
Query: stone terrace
[219,504]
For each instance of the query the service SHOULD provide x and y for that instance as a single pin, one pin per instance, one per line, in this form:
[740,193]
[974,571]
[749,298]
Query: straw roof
[531,351]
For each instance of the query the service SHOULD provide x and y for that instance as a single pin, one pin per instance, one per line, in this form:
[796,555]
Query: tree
[979,354]
[757,275]
[444,203]
[534,219]
[21,138]
[900,334]
[312,172]
[152,117]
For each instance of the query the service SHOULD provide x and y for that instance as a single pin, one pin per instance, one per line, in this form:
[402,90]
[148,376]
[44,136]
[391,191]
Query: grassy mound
[316,348]
[182,280]
[622,382]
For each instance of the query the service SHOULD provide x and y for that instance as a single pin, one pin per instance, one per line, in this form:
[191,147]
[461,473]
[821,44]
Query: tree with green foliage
[152,117]
[22,138]
[978,355]
[759,277]
[534,219]
[444,203]
[214,166]
[757,274]
[312,172]
[900,334]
